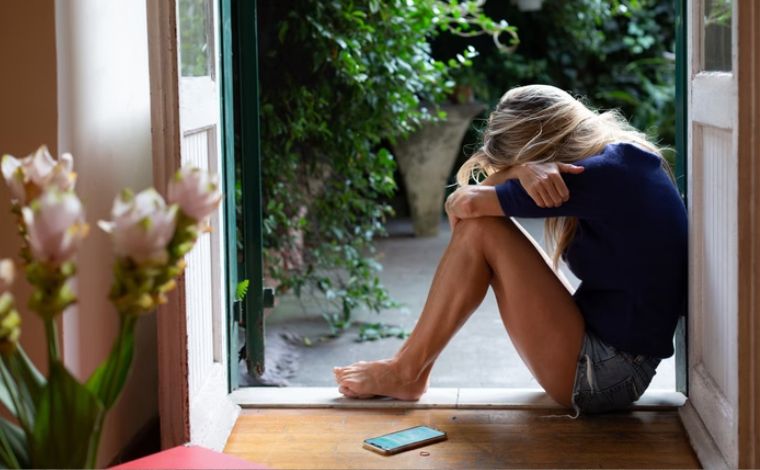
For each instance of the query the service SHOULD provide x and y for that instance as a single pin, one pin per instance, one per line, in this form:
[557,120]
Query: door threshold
[437,397]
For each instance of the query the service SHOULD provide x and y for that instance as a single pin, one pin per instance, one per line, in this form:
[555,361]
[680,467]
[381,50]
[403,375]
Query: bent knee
[481,227]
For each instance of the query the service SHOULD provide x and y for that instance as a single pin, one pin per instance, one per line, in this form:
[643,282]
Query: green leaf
[241,290]
[13,451]
[26,384]
[107,381]
[375,331]
[68,417]
[6,393]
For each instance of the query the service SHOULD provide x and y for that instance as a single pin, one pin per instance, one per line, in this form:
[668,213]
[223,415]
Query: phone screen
[405,438]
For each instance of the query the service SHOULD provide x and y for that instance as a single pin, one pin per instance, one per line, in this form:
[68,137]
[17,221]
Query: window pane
[195,37]
[717,35]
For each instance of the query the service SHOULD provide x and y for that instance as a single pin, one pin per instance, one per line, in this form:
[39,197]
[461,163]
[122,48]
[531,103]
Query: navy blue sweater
[629,250]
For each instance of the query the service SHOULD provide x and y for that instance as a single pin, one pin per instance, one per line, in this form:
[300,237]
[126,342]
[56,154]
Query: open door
[247,78]
[186,90]
[711,414]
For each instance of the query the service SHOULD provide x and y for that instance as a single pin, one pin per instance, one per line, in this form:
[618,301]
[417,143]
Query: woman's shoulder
[631,153]
[618,165]
[621,155]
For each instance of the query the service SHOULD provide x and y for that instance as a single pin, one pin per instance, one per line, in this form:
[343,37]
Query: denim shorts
[608,379]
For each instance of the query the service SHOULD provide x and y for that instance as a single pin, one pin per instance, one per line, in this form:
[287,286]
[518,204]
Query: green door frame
[240,114]
[250,158]
[230,205]
[681,162]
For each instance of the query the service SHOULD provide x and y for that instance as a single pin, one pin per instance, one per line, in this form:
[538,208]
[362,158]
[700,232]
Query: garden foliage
[614,54]
[340,80]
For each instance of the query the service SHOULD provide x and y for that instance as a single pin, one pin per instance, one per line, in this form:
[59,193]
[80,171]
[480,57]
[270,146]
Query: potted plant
[60,419]
[426,158]
[427,155]
[529,5]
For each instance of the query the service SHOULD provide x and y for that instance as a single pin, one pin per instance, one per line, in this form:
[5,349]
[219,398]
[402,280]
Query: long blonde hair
[542,123]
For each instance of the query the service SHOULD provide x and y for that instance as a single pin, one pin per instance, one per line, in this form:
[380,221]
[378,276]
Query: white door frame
[749,232]
[206,416]
[164,89]
[723,421]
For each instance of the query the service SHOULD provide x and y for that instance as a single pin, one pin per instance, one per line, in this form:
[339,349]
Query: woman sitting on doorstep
[613,214]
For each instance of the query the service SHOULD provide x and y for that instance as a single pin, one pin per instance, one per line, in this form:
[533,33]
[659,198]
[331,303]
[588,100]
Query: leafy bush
[341,80]
[615,54]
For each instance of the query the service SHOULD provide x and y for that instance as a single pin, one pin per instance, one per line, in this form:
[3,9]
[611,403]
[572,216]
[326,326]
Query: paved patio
[480,355]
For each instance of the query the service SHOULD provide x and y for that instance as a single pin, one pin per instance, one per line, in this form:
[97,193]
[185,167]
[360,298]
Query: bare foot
[378,378]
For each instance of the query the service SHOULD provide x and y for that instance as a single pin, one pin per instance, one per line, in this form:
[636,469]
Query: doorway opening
[619,56]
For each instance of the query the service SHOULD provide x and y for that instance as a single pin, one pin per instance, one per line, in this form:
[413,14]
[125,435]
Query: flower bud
[145,302]
[55,226]
[141,226]
[10,324]
[167,286]
[6,275]
[13,173]
[195,191]
[27,178]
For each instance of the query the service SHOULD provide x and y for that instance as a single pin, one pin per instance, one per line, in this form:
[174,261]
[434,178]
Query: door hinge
[267,301]
[268,298]
[237,309]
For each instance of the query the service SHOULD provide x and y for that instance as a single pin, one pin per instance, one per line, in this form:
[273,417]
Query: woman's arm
[542,181]
[474,201]
[502,176]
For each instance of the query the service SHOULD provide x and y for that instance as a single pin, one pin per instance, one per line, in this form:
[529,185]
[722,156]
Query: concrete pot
[529,5]
[426,159]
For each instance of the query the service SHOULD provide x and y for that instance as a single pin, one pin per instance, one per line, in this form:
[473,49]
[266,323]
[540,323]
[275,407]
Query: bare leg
[539,313]
[459,286]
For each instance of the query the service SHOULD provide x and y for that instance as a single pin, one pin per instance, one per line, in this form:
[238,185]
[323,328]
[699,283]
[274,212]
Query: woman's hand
[472,201]
[455,206]
[543,182]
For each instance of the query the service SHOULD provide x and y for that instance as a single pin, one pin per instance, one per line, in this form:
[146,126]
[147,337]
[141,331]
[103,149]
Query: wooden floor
[332,438]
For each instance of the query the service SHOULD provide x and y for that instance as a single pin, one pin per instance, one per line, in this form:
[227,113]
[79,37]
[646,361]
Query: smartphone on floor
[405,439]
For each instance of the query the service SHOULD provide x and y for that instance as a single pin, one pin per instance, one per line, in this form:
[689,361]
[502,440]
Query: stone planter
[528,5]
[426,159]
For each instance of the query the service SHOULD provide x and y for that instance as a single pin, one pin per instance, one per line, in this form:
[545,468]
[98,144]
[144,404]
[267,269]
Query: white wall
[104,121]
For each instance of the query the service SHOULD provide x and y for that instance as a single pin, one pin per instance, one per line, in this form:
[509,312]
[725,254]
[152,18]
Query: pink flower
[55,225]
[142,226]
[13,173]
[28,177]
[6,275]
[195,191]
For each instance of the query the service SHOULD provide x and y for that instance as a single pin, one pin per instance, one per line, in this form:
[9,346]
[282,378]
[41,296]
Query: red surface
[191,458]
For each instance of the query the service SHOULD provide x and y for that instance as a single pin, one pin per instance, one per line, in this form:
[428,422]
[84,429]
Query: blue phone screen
[405,437]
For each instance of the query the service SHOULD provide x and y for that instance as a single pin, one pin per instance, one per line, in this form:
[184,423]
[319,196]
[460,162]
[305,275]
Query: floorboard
[332,439]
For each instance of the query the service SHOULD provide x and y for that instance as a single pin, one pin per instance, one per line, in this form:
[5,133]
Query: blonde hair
[539,124]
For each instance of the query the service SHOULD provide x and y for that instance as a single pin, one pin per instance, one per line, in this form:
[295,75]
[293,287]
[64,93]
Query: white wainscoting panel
[713,283]
[198,150]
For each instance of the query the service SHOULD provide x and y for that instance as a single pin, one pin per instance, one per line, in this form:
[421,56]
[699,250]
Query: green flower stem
[113,380]
[112,384]
[51,332]
[92,453]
